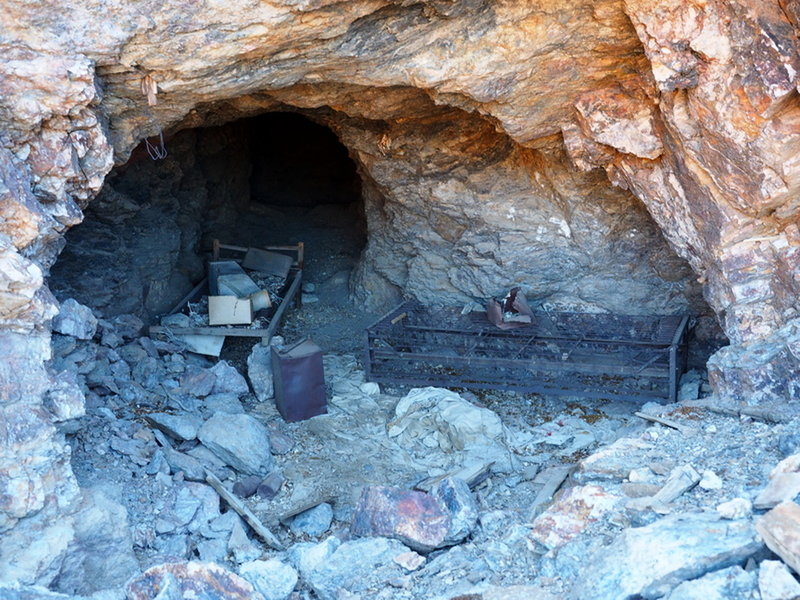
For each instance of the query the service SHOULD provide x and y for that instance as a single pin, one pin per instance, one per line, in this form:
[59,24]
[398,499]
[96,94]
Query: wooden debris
[473,474]
[264,261]
[666,422]
[551,479]
[770,414]
[241,508]
[780,530]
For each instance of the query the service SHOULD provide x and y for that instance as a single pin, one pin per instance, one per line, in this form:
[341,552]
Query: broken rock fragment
[76,320]
[780,530]
[190,580]
[776,582]
[228,380]
[571,514]
[648,562]
[414,518]
[239,440]
[180,427]
[272,578]
[420,520]
[355,567]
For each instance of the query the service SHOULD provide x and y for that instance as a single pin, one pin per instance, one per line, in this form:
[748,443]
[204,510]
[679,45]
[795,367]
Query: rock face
[461,118]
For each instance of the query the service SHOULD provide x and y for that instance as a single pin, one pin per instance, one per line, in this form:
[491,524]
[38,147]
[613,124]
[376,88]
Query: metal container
[299,381]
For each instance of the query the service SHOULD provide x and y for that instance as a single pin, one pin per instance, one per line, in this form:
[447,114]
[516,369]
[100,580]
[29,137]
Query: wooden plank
[284,305]
[189,297]
[472,474]
[221,331]
[666,422]
[241,508]
[551,479]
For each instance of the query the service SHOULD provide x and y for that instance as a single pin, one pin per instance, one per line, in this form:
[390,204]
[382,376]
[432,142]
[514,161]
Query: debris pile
[413,493]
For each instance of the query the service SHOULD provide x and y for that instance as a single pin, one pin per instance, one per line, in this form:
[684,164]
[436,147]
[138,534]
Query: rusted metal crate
[577,354]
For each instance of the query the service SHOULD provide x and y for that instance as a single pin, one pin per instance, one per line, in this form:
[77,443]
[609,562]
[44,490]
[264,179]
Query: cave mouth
[274,179]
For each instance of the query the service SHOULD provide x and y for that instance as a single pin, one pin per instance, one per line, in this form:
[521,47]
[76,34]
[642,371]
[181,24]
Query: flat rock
[355,567]
[180,427]
[197,381]
[781,487]
[224,403]
[272,578]
[459,503]
[314,521]
[191,580]
[571,514]
[239,440]
[76,320]
[415,518]
[776,582]
[649,561]
[614,462]
[780,530]
[725,584]
[228,380]
[259,371]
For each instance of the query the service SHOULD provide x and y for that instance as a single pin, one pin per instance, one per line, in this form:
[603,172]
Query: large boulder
[647,562]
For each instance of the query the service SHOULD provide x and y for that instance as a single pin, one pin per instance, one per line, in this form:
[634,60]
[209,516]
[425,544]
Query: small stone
[643,475]
[711,429]
[314,521]
[271,485]
[310,298]
[224,403]
[240,546]
[370,388]
[710,481]
[571,514]
[76,320]
[308,287]
[789,443]
[776,582]
[259,371]
[274,579]
[180,427]
[279,442]
[197,382]
[228,380]
[738,508]
[410,561]
[244,488]
[239,440]
[454,494]
[212,550]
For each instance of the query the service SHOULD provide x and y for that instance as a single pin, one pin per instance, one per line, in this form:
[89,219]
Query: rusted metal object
[559,353]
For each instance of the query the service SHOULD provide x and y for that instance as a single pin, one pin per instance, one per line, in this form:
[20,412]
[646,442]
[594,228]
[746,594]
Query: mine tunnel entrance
[274,179]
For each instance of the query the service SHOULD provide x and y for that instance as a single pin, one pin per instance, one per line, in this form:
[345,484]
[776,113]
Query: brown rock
[414,518]
[780,530]
[191,580]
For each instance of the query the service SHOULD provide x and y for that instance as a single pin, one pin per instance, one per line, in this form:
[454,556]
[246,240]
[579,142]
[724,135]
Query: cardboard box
[229,310]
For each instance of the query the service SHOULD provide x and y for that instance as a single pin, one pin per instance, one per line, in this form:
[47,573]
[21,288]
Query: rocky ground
[640,509]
